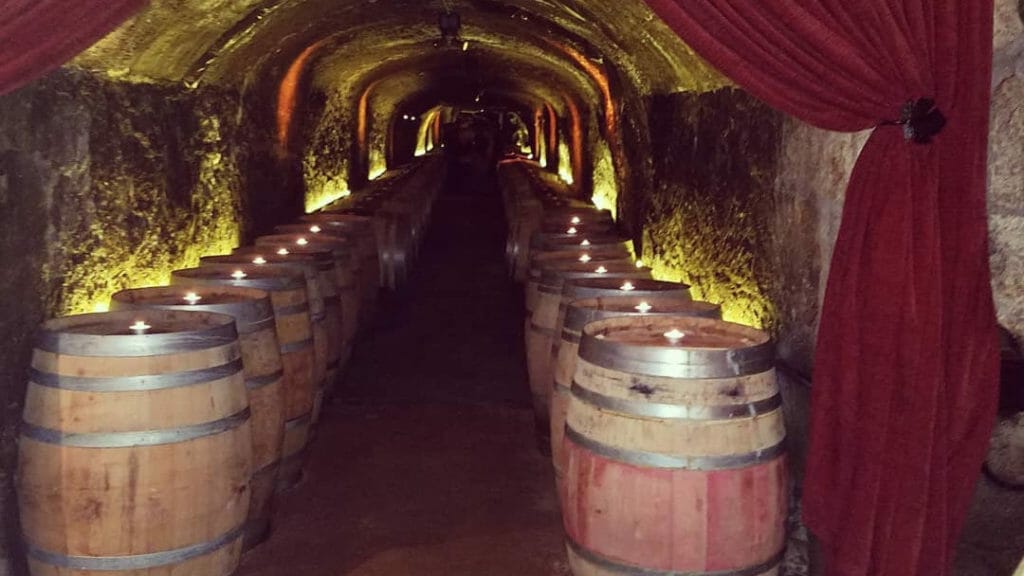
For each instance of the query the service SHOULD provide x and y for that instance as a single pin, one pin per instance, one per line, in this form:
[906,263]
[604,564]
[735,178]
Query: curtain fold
[37,36]
[906,370]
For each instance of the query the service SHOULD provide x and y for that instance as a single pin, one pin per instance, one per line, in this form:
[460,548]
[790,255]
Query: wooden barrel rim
[580,288]
[553,281]
[269,279]
[250,307]
[675,360]
[323,254]
[321,260]
[584,311]
[135,561]
[628,570]
[53,335]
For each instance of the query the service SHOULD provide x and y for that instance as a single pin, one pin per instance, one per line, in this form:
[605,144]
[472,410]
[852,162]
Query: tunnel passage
[199,125]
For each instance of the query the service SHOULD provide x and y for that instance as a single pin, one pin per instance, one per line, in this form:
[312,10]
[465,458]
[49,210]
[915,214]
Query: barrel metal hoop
[257,382]
[135,345]
[626,570]
[548,289]
[570,336]
[134,438]
[135,383]
[136,561]
[253,327]
[300,421]
[545,331]
[290,347]
[654,460]
[293,309]
[676,411]
[677,362]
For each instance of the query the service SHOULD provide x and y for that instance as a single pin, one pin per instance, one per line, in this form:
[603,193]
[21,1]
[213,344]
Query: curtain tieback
[921,120]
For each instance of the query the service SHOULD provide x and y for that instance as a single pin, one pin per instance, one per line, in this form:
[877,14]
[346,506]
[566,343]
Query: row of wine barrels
[665,422]
[400,206]
[156,436]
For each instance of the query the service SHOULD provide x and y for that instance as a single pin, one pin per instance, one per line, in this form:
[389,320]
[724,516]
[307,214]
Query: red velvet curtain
[37,36]
[906,370]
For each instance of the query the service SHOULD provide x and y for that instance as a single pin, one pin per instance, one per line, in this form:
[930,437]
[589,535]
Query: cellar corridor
[426,463]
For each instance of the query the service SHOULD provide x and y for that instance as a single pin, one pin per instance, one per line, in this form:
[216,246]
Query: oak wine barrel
[288,297]
[674,450]
[135,453]
[264,376]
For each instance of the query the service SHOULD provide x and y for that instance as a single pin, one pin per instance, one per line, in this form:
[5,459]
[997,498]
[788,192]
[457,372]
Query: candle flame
[643,307]
[282,252]
[627,287]
[259,260]
[572,231]
[674,335]
[302,241]
[192,298]
[639,263]
[601,270]
[139,327]
[585,243]
[315,229]
[238,274]
[575,220]
[585,258]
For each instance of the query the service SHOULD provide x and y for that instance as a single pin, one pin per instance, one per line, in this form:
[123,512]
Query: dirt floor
[427,464]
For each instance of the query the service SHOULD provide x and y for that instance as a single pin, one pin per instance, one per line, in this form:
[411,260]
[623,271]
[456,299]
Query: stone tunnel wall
[106,185]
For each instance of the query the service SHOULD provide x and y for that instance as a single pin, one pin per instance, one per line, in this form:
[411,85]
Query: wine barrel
[288,297]
[360,228]
[135,453]
[540,261]
[264,376]
[325,312]
[585,221]
[540,329]
[674,448]
[581,312]
[346,263]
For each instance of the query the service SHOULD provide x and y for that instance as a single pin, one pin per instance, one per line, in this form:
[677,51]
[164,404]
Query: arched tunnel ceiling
[228,42]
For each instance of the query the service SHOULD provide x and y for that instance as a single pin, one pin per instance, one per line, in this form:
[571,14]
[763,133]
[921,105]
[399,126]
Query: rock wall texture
[105,186]
[708,219]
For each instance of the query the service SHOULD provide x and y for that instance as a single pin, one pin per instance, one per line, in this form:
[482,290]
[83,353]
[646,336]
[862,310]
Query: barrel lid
[548,240]
[340,247]
[586,310]
[271,279]
[320,259]
[322,230]
[160,332]
[338,219]
[546,260]
[553,277]
[676,347]
[248,306]
[595,287]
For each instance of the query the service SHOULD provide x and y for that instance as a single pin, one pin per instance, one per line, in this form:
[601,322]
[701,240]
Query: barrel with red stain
[674,450]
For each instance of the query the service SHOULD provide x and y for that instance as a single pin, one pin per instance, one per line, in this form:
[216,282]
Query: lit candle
[639,263]
[572,231]
[585,243]
[315,229]
[575,220]
[674,335]
[259,260]
[627,287]
[643,307]
[601,270]
[238,274]
[585,258]
[140,327]
[192,298]
[282,252]
[302,241]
